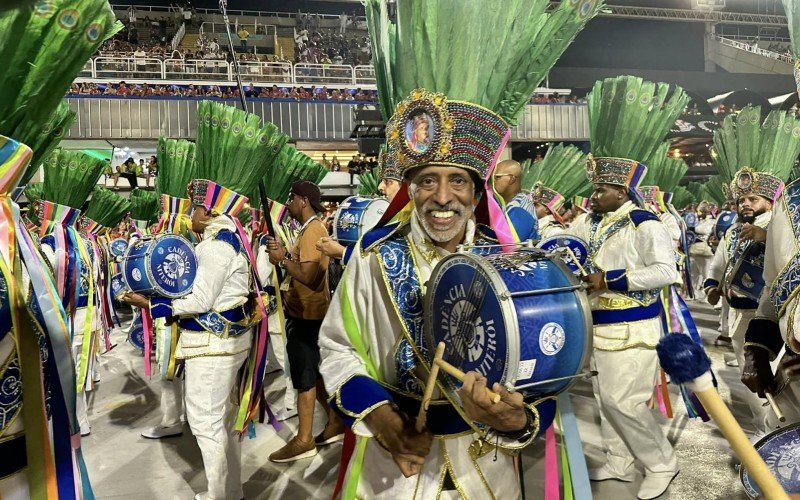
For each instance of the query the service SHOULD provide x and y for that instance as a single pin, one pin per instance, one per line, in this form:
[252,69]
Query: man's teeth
[443,214]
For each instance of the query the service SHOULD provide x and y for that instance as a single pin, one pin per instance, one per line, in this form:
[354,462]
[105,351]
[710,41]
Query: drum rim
[513,344]
[111,243]
[152,240]
[360,225]
[556,237]
[760,443]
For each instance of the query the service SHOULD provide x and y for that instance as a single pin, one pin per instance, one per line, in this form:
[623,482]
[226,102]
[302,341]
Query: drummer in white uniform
[700,252]
[216,317]
[632,260]
[755,194]
[372,335]
[548,203]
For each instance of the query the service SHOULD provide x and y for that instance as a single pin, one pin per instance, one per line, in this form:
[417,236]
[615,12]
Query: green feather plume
[233,148]
[47,139]
[145,205]
[563,168]
[176,166]
[494,57]
[698,191]
[681,197]
[367,184]
[106,207]
[714,189]
[289,167]
[663,170]
[743,141]
[630,117]
[43,48]
[70,176]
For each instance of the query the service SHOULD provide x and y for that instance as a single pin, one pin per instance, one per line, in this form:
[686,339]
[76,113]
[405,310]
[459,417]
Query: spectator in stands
[152,170]
[335,165]
[325,161]
[186,14]
[342,23]
[128,171]
[243,36]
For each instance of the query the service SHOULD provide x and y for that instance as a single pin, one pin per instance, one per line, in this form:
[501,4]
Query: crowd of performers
[442,338]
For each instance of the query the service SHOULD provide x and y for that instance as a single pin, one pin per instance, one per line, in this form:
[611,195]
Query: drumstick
[455,372]
[774,405]
[426,398]
[576,261]
[687,363]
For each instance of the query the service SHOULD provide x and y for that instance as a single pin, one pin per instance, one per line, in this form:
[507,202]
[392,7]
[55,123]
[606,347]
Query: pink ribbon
[551,486]
[497,215]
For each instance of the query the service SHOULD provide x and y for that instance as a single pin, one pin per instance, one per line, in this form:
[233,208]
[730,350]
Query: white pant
[210,381]
[172,406]
[622,387]
[738,321]
[701,267]
[725,311]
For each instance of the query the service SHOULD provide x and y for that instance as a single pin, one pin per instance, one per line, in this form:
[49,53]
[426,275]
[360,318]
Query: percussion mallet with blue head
[687,363]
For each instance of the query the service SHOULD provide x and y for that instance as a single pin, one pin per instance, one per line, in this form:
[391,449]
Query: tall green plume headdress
[234,151]
[43,48]
[176,168]
[106,209]
[681,197]
[367,184]
[144,206]
[663,174]
[629,119]
[455,76]
[289,167]
[754,157]
[70,177]
[557,177]
[792,8]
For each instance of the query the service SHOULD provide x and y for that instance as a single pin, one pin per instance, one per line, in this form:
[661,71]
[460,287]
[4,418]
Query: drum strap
[786,285]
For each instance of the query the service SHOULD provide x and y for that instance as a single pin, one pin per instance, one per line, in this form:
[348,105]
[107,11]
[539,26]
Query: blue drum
[163,265]
[746,275]
[690,218]
[356,216]
[117,247]
[519,318]
[136,333]
[691,238]
[117,285]
[781,451]
[724,221]
[577,246]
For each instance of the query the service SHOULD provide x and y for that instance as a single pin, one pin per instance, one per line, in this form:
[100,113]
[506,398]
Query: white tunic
[646,254]
[361,318]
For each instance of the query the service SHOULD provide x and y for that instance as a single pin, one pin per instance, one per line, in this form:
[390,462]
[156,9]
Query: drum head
[690,218]
[173,265]
[356,216]
[117,285]
[136,333]
[117,247]
[724,222]
[515,317]
[781,451]
[579,248]
[463,309]
[691,238]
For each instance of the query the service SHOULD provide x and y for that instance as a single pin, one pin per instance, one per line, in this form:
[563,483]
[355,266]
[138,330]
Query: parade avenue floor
[123,465]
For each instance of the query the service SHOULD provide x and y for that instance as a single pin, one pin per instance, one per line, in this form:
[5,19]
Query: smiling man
[373,344]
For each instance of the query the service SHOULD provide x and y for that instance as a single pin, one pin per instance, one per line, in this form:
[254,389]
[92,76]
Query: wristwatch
[523,434]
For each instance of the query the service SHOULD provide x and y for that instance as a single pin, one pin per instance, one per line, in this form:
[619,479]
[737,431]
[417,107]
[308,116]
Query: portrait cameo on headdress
[745,181]
[419,131]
